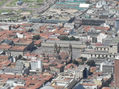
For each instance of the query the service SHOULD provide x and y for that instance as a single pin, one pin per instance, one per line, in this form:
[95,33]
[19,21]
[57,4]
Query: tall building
[117,25]
[71,0]
[116,74]
[70,51]
[107,67]
[36,65]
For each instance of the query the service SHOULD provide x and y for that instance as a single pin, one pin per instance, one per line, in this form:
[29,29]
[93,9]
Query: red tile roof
[37,42]
[88,84]
[18,48]
[87,28]
[5,47]
[71,66]
[20,87]
[59,66]
[98,44]
[106,88]
[93,69]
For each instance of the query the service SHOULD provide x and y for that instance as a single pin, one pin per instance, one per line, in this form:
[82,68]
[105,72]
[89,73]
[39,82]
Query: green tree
[91,63]
[36,37]
[72,38]
[83,59]
[20,56]
[30,30]
[63,37]
[75,62]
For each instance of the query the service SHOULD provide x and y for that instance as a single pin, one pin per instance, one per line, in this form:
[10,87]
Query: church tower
[70,51]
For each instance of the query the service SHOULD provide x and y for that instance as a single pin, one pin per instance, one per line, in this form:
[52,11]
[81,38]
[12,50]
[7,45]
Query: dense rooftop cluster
[66,44]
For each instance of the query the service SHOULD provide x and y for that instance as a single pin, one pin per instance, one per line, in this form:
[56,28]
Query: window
[111,46]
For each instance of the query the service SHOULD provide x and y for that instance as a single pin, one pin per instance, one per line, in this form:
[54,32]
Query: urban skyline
[59,44]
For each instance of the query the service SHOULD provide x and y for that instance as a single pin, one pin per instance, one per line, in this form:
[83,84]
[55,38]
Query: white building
[64,80]
[100,37]
[36,66]
[107,67]
[101,3]
[19,35]
[84,5]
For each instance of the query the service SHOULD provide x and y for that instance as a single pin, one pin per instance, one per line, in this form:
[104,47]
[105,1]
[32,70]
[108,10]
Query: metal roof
[47,87]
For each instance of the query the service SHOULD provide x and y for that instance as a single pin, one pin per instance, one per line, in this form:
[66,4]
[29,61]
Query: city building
[116,73]
[36,65]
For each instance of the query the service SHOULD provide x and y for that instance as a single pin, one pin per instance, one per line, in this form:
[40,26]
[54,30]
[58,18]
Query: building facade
[116,74]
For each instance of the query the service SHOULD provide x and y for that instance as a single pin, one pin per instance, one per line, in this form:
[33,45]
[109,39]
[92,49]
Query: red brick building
[116,74]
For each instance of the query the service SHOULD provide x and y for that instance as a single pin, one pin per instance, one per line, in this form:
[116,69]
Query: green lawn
[39,1]
[13,3]
[1,11]
[2,2]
